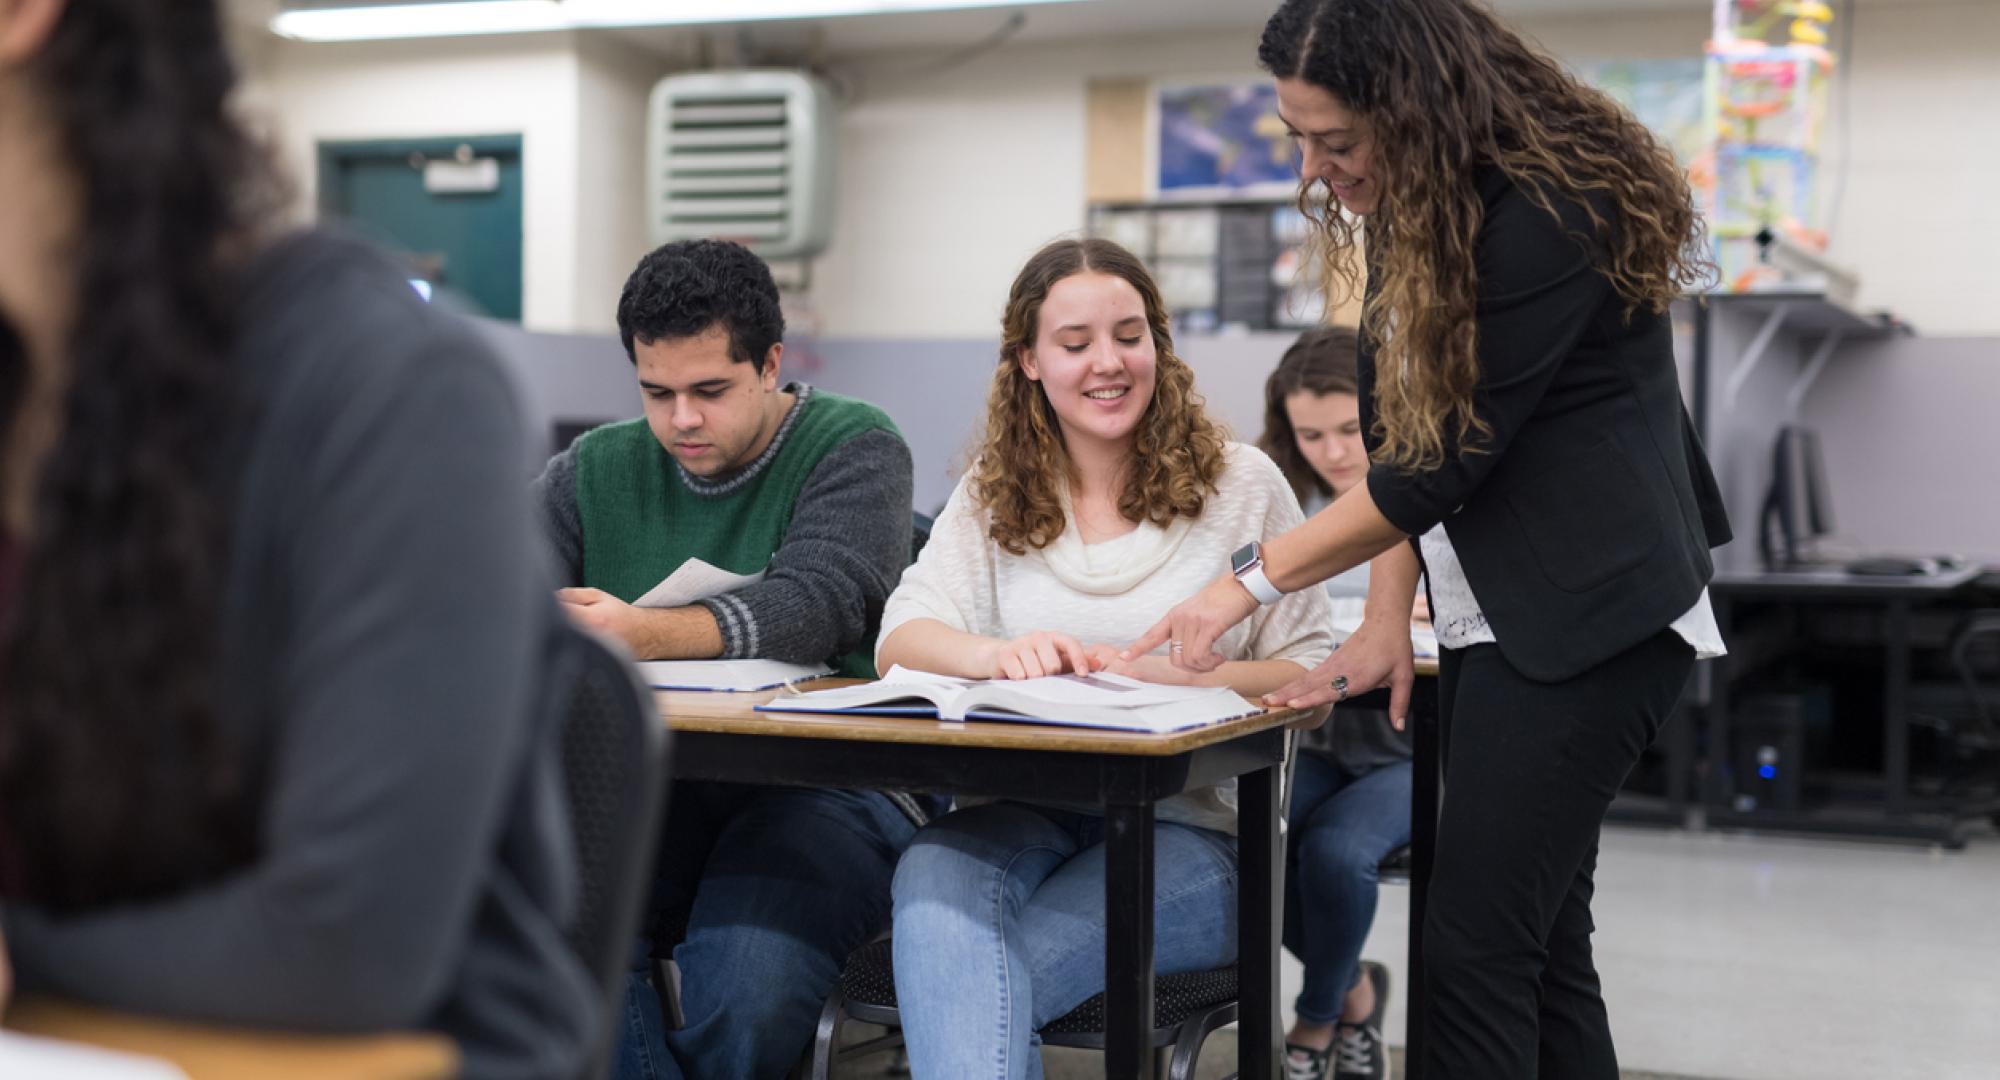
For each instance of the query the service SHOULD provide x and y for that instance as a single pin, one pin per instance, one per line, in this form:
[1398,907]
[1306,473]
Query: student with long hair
[277,747]
[1101,490]
[1525,236]
[1350,797]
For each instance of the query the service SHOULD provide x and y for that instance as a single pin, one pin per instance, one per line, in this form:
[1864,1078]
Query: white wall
[612,89]
[949,181]
[577,105]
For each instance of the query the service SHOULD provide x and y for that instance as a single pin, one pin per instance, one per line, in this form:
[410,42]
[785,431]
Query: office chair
[615,773]
[1187,1007]
[1975,737]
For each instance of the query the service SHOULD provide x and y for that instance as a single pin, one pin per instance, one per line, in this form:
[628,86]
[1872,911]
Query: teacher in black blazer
[1530,452]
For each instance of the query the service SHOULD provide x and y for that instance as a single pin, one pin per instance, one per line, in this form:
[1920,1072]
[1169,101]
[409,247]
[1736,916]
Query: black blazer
[1585,525]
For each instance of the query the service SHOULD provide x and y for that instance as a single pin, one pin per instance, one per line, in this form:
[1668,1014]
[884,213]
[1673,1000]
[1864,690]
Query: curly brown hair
[1322,361]
[1021,461]
[1444,87]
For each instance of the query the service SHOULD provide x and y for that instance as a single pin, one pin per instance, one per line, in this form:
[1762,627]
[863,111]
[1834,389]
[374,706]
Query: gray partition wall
[1907,423]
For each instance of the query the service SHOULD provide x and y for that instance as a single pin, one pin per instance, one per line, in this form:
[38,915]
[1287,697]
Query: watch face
[1244,558]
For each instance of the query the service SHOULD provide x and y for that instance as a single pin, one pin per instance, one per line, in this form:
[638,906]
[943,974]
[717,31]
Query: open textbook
[727,674]
[1102,700]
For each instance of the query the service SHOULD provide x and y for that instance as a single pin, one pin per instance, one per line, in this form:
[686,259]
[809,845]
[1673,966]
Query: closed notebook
[1101,700]
[737,675]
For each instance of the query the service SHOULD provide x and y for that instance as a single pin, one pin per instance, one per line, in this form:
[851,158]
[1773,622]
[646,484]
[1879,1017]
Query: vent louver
[745,156]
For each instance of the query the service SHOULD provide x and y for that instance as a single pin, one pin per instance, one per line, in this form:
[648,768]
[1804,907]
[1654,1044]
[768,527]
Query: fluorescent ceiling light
[420,20]
[467,17]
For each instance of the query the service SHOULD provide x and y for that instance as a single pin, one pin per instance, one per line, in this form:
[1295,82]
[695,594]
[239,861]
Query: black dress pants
[1530,769]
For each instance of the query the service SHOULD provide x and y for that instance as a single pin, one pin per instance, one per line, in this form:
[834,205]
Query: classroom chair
[614,760]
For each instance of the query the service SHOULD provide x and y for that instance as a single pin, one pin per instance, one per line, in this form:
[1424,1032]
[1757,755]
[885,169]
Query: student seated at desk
[276,742]
[809,492]
[1350,801]
[1100,490]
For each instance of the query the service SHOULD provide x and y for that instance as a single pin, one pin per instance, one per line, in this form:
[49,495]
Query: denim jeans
[1000,929]
[1342,827]
[777,886]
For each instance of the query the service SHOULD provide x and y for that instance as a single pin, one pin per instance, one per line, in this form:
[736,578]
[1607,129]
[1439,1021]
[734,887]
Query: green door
[451,207]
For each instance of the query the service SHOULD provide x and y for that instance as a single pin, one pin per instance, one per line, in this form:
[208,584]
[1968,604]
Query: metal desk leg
[1717,788]
[1895,713]
[1424,737]
[1259,913]
[1128,941]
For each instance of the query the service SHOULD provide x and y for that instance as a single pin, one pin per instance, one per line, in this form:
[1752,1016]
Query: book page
[31,1057]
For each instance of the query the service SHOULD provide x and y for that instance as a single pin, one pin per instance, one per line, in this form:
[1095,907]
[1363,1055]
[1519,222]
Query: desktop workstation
[1753,366]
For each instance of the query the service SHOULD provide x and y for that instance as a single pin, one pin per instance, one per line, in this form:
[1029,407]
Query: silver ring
[1340,687]
[1174,645]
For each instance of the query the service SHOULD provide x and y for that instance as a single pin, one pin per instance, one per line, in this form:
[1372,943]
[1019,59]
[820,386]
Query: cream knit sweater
[1110,593]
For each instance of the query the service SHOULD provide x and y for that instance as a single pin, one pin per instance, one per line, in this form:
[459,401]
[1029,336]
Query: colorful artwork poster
[1223,141]
[1666,96]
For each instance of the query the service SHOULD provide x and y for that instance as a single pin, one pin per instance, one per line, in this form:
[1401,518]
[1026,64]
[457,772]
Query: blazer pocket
[1589,521]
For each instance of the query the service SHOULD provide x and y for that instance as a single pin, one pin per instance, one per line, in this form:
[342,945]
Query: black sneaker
[1358,1051]
[1305,1063]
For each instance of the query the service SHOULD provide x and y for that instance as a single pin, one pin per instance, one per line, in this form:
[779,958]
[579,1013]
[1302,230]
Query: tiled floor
[1754,957]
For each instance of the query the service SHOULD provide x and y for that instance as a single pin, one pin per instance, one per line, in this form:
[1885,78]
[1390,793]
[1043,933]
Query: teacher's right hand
[1192,627]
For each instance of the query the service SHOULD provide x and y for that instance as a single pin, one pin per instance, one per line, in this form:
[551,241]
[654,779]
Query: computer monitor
[1796,507]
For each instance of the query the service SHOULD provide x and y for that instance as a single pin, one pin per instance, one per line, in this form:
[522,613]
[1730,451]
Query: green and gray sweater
[824,512]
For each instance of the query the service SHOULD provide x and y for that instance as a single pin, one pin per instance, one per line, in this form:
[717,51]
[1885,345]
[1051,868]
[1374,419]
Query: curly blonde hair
[1021,462]
[1445,88]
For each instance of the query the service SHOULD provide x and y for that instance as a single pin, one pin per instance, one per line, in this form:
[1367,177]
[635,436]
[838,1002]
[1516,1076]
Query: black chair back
[614,750]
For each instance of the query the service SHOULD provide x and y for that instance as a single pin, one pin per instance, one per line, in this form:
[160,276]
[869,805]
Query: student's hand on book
[1376,655]
[1189,631]
[1032,656]
[1149,668]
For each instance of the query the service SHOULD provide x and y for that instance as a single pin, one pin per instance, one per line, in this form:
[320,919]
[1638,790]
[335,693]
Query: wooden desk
[211,1053]
[722,737]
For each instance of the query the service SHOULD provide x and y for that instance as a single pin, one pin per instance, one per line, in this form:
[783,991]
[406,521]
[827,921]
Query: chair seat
[870,980]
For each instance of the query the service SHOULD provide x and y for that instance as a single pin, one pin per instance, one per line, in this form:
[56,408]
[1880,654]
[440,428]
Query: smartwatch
[1248,565]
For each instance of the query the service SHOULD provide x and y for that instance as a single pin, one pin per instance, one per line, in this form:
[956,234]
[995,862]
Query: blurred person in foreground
[274,747]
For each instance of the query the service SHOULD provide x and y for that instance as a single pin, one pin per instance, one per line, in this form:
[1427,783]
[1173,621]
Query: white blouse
[1456,614]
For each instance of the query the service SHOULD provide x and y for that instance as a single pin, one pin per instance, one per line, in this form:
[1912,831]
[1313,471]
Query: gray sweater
[385,620]
[846,548]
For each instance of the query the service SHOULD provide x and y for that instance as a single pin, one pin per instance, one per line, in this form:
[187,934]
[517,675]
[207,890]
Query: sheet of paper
[31,1057]
[695,580]
[737,675]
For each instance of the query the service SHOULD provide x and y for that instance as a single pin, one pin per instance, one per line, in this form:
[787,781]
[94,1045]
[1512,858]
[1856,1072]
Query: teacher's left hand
[1190,630]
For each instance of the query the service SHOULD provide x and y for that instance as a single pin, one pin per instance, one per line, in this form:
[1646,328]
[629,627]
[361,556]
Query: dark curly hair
[118,779]
[1324,360]
[1444,88]
[683,288]
[1177,452]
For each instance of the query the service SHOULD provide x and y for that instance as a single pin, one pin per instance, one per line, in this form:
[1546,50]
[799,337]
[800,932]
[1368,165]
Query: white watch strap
[1259,585]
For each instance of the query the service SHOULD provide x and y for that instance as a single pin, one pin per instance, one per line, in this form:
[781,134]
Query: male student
[807,495]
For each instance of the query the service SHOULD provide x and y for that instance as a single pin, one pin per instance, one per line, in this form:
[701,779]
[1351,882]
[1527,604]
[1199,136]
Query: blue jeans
[1342,827]
[777,886]
[1000,929]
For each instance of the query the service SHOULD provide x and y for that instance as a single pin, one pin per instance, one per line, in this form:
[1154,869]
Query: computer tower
[1768,755]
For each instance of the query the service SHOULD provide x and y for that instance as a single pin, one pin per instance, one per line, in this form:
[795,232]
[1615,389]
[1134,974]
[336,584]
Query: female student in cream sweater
[1101,492]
